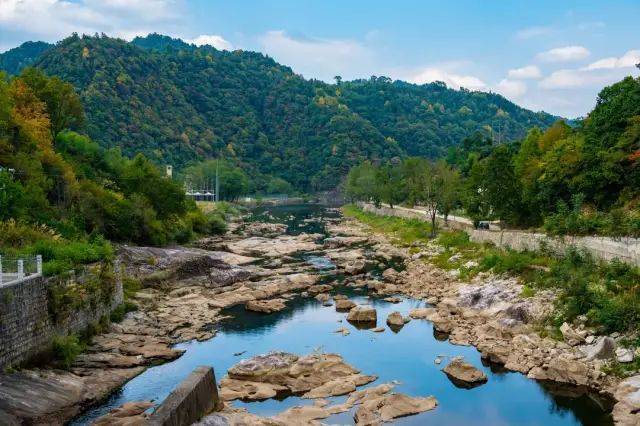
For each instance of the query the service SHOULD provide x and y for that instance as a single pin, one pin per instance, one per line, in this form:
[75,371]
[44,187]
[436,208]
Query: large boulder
[315,376]
[603,348]
[362,314]
[395,319]
[388,407]
[344,304]
[464,375]
[571,336]
[265,306]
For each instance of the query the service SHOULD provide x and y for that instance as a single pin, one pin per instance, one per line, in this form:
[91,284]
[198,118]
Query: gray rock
[624,355]
[604,348]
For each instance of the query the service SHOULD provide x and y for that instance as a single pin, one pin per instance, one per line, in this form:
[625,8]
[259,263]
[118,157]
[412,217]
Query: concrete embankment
[195,397]
[624,249]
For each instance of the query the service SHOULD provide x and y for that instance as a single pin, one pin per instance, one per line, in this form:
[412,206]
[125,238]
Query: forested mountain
[14,60]
[178,103]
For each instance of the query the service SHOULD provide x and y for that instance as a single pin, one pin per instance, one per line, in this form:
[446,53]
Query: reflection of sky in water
[408,356]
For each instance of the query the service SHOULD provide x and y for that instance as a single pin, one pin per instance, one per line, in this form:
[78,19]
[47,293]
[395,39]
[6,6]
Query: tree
[448,184]
[390,185]
[63,103]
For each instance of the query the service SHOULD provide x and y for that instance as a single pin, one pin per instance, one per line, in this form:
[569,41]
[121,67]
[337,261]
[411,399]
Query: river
[407,357]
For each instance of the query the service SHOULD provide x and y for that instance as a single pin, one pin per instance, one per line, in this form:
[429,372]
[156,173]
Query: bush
[216,224]
[453,239]
[66,349]
[118,314]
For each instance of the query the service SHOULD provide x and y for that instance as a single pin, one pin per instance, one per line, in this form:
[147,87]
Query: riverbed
[406,356]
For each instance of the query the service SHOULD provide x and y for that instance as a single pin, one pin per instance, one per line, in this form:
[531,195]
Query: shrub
[118,314]
[453,239]
[66,349]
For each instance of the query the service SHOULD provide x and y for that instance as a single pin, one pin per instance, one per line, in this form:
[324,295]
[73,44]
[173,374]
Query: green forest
[180,104]
[65,197]
[580,180]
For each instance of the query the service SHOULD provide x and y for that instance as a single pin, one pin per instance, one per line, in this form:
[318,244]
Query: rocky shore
[257,265]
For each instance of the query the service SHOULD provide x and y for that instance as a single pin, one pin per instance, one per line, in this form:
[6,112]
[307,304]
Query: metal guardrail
[14,269]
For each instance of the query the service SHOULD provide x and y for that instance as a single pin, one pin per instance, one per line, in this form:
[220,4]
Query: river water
[406,356]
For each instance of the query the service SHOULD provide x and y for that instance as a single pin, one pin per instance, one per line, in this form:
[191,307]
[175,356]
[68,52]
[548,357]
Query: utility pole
[217,194]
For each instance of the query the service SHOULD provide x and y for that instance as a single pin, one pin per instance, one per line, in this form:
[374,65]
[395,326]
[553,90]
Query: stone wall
[26,326]
[195,397]
[624,249]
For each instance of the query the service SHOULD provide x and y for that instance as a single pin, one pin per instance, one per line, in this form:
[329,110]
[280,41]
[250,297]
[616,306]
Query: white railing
[13,269]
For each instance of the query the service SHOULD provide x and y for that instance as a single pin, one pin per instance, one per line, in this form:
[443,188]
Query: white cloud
[216,41]
[564,54]
[452,79]
[629,59]
[533,32]
[511,89]
[320,58]
[54,19]
[525,73]
[565,79]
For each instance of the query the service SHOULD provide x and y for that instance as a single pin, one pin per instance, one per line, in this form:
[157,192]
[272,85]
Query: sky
[551,55]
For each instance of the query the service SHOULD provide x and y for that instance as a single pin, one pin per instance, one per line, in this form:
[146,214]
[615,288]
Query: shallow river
[406,356]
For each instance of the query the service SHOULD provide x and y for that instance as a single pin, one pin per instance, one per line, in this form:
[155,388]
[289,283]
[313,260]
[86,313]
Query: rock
[590,339]
[570,335]
[422,313]
[337,242]
[129,414]
[624,355]
[603,348]
[319,288]
[265,306]
[344,304]
[626,412]
[390,275]
[393,299]
[282,245]
[388,407]
[355,267]
[56,396]
[340,297]
[464,375]
[261,229]
[378,329]
[395,319]
[267,375]
[470,264]
[323,297]
[343,331]
[362,314]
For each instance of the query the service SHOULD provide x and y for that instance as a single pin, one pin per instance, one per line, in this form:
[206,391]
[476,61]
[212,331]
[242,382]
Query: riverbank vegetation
[606,293]
[578,179]
[65,197]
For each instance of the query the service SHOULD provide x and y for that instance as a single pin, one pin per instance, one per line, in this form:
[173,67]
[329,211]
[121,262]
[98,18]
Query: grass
[405,232]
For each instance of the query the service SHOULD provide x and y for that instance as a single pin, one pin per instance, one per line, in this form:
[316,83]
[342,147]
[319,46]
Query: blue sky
[550,55]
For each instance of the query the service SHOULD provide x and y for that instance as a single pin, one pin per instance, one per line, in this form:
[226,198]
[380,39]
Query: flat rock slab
[366,314]
[464,375]
[316,375]
[56,396]
[265,306]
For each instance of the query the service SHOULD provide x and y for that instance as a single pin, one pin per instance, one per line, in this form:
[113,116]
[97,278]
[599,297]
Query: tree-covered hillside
[178,103]
[14,60]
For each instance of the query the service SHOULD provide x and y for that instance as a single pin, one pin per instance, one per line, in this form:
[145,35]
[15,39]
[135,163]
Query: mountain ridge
[180,103]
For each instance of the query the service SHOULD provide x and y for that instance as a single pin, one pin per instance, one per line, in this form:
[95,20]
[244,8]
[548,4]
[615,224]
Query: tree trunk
[433,223]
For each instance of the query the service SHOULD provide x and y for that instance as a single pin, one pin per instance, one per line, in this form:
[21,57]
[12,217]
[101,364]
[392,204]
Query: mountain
[179,103]
[14,60]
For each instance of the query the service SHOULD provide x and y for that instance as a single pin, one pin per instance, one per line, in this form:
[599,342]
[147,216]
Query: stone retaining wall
[194,398]
[624,249]
[26,326]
